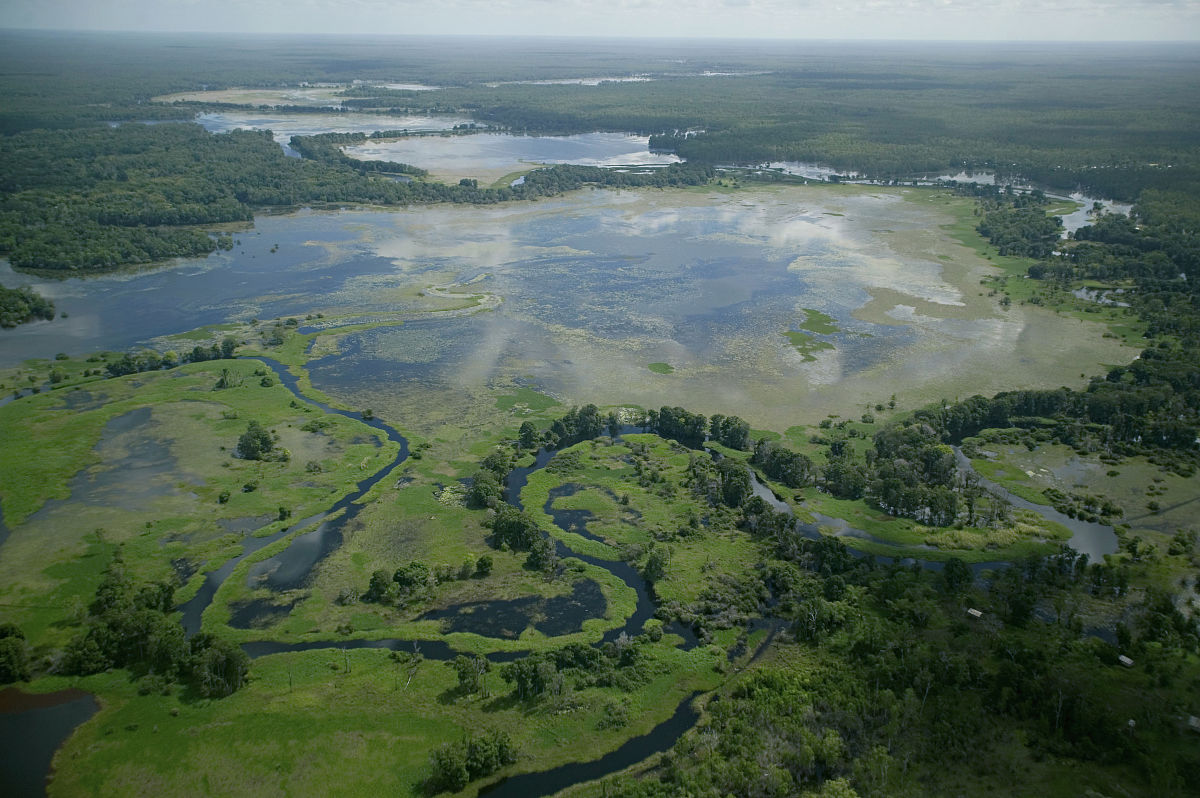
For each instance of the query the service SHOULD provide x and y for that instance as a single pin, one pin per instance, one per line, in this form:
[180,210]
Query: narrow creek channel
[290,568]
[1087,537]
[1090,538]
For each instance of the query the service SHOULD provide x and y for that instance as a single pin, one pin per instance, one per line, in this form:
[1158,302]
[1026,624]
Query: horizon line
[552,36]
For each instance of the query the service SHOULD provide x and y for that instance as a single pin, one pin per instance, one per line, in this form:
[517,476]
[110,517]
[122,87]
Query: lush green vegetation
[1148,407]
[96,198]
[824,671]
[891,688]
[20,305]
[135,193]
[328,147]
[134,630]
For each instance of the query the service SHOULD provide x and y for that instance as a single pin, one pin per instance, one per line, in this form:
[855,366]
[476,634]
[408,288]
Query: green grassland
[414,515]
[817,322]
[372,730]
[344,724]
[65,438]
[631,515]
[806,344]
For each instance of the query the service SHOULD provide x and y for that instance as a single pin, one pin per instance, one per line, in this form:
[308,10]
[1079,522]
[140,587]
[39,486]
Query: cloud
[855,19]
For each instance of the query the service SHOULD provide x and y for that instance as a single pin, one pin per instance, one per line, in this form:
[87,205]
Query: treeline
[900,687]
[93,199]
[132,627]
[851,152]
[1017,224]
[150,360]
[909,472]
[1149,407]
[98,198]
[888,115]
[327,147]
[21,305]
[619,664]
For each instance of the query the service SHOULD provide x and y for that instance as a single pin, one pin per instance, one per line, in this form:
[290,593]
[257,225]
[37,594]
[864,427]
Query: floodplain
[400,359]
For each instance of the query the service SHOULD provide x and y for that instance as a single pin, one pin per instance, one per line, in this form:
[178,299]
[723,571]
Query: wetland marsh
[789,303]
[488,157]
[590,289]
[374,484]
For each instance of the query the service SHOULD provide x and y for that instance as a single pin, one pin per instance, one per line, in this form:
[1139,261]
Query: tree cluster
[327,147]
[256,443]
[455,765]
[782,464]
[21,305]
[150,360]
[1017,224]
[14,655]
[618,664]
[131,627]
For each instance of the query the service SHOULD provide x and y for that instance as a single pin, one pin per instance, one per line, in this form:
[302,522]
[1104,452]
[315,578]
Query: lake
[285,125]
[490,156]
[590,288]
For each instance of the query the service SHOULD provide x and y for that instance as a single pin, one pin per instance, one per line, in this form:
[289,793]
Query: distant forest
[98,192]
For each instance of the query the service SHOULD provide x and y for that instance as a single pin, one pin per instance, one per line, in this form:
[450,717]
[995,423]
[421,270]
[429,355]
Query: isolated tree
[735,482]
[471,674]
[528,436]
[219,668]
[542,555]
[656,564]
[449,766]
[378,588]
[485,490]
[255,443]
[14,655]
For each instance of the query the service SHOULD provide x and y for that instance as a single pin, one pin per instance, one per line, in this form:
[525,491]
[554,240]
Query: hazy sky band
[965,20]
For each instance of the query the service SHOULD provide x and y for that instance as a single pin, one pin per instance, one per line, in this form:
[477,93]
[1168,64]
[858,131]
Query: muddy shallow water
[591,288]
[489,156]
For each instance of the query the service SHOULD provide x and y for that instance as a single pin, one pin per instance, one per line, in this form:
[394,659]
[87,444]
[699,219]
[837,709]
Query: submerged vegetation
[859,604]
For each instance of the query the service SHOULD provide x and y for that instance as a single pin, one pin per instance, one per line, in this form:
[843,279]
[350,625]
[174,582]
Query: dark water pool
[32,727]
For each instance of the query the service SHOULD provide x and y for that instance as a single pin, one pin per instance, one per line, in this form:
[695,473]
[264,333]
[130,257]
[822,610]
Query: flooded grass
[1133,484]
[146,470]
[817,322]
[806,345]
[593,287]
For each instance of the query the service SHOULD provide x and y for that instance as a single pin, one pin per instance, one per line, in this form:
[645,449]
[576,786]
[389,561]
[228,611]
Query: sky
[965,20]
